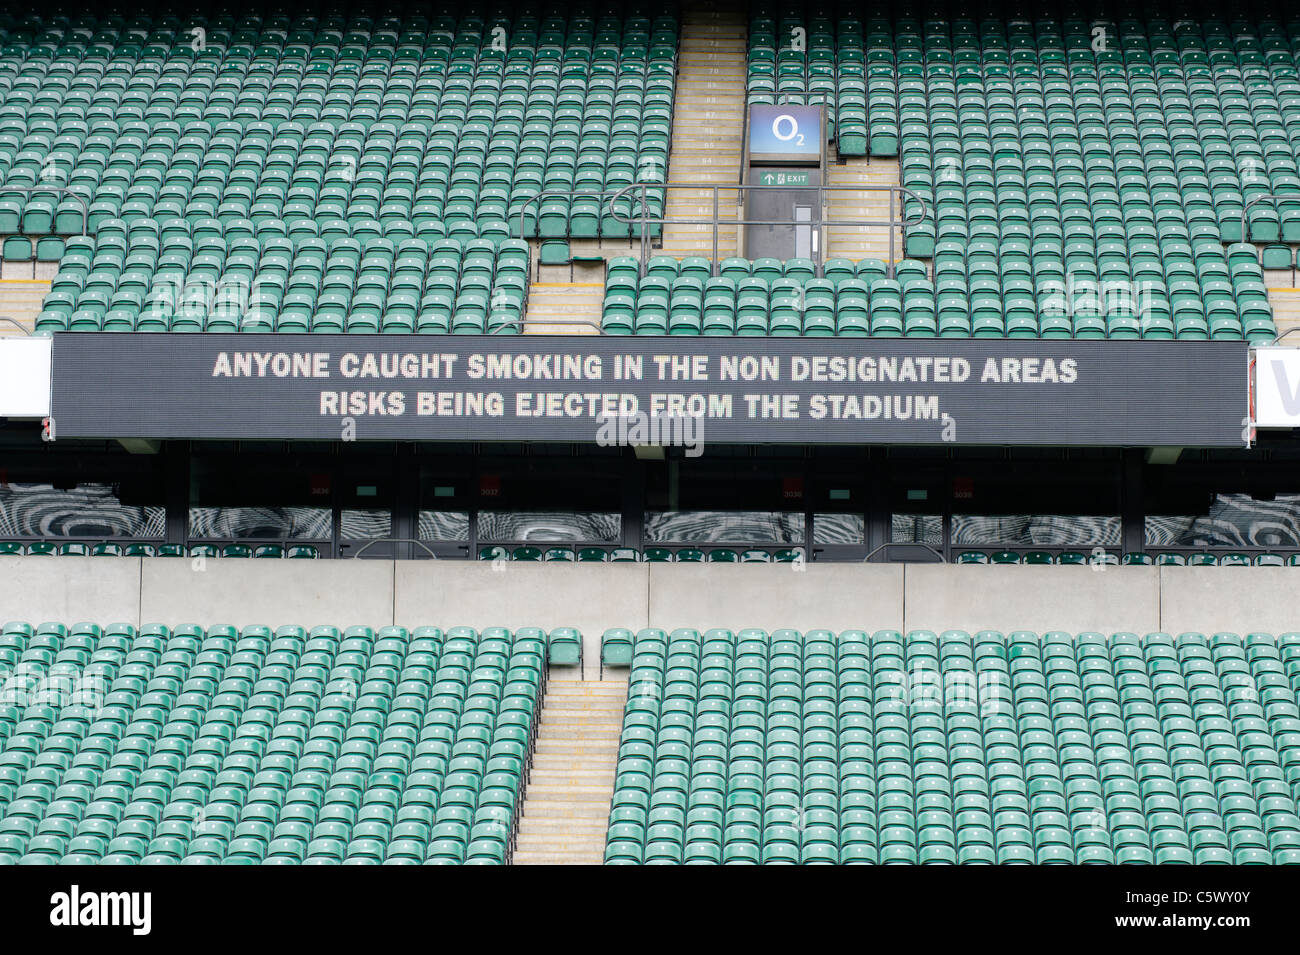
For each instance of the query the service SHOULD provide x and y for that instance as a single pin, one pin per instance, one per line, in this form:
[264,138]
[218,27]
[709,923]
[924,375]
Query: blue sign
[785,133]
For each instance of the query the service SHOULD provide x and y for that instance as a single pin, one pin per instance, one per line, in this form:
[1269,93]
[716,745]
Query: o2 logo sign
[785,131]
[786,128]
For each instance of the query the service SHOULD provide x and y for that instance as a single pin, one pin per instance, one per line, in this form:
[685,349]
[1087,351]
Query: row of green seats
[224,278]
[715,555]
[816,747]
[1102,557]
[984,291]
[654,555]
[854,62]
[1010,129]
[256,124]
[180,745]
[114,549]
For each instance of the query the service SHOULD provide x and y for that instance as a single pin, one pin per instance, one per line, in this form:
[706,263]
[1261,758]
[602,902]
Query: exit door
[784,215]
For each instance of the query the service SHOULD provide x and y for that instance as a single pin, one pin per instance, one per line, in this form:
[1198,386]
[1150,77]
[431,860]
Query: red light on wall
[320,485]
[792,488]
[489,485]
[963,488]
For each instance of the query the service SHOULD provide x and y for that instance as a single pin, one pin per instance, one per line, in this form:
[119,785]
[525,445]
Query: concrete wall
[272,592]
[1237,599]
[830,596]
[1018,597]
[592,597]
[70,589]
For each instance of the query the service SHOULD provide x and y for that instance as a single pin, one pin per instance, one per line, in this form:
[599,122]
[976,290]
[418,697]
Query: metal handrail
[557,194]
[521,322]
[1289,331]
[16,324]
[534,730]
[625,193]
[876,550]
[392,540]
[81,201]
[1285,196]
[716,222]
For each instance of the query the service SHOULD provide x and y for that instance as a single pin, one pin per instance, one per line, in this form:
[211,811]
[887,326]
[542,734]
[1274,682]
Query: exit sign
[785,179]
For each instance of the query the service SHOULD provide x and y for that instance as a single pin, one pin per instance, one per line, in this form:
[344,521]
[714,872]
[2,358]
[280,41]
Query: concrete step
[580,705]
[568,302]
[571,783]
[564,811]
[555,858]
[573,728]
[573,750]
[707,124]
[586,761]
[1286,310]
[581,818]
[545,824]
[561,846]
[563,769]
[562,843]
[20,300]
[860,242]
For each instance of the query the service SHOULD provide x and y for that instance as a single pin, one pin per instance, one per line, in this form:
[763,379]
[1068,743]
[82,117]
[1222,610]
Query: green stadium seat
[564,647]
[1033,151]
[786,747]
[322,766]
[616,647]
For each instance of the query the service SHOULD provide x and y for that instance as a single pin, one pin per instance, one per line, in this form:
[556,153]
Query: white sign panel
[25,377]
[1277,387]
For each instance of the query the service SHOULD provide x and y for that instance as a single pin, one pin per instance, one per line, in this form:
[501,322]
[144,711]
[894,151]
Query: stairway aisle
[557,308]
[861,242]
[708,127]
[1286,309]
[566,806]
[20,300]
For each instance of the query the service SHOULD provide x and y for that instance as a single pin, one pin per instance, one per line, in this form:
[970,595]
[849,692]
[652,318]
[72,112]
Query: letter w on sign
[1287,392]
